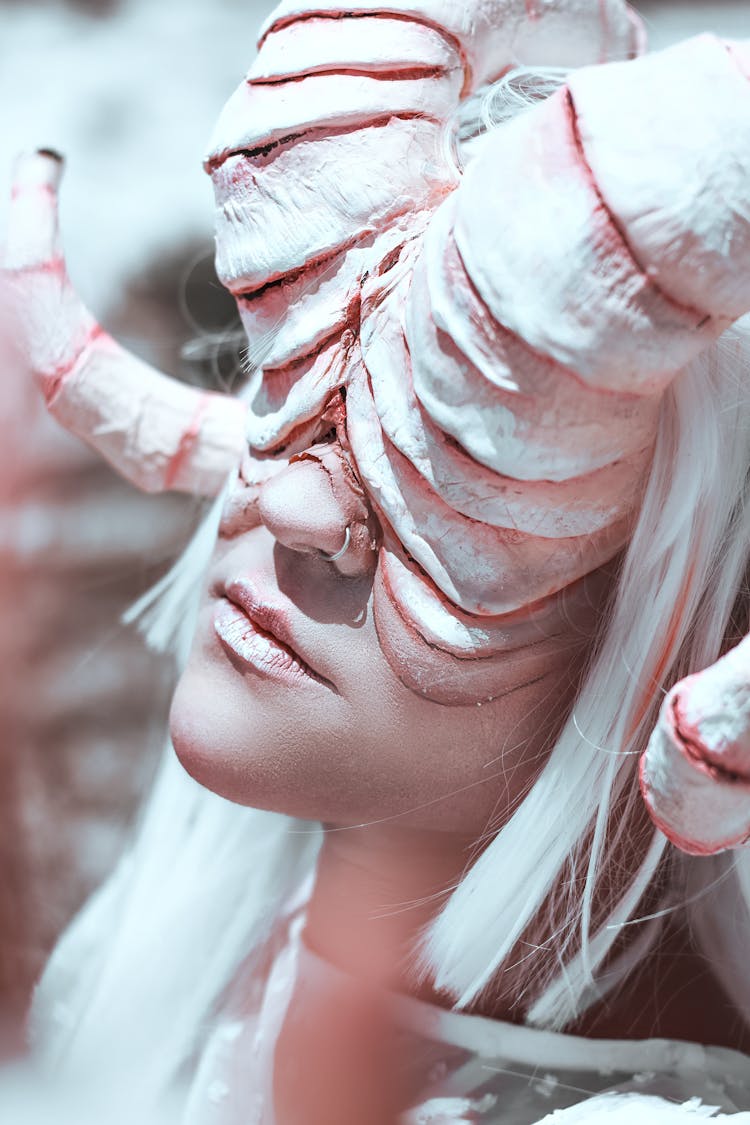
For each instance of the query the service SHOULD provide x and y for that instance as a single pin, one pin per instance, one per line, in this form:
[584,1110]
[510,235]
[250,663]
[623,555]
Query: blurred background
[128,90]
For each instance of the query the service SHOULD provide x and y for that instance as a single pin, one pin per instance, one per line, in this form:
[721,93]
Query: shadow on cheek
[319,590]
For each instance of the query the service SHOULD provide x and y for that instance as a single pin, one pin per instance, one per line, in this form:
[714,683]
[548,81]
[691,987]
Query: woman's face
[289,703]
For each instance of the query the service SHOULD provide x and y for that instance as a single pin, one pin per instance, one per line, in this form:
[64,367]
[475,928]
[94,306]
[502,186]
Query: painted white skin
[490,378]
[366,168]
[375,748]
[503,437]
[455,343]
[695,774]
[157,432]
[564,339]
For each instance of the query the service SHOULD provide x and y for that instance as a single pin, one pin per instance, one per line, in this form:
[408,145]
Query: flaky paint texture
[503,336]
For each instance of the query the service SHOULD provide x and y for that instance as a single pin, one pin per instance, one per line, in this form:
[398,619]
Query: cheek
[267,749]
[377,751]
[340,761]
[456,768]
[307,753]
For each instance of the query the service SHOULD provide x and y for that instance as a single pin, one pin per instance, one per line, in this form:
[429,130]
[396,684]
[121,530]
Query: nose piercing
[342,551]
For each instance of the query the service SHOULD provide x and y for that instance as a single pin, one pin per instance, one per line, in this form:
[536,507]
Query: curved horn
[695,774]
[590,253]
[493,35]
[157,432]
[331,155]
[597,244]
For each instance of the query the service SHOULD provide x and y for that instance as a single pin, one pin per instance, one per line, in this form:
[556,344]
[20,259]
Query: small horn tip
[51,154]
[41,168]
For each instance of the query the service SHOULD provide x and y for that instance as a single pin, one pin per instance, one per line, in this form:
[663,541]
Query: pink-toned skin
[290,701]
[502,437]
[265,168]
[338,214]
[370,664]
[157,432]
[386,738]
[347,691]
[491,538]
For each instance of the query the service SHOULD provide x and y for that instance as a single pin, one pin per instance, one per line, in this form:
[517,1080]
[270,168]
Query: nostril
[300,510]
[342,550]
[240,511]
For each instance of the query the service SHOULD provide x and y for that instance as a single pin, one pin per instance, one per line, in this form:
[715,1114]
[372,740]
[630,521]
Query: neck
[337,1059]
[377,887]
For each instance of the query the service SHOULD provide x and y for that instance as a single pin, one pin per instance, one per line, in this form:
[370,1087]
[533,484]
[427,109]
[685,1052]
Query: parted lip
[274,621]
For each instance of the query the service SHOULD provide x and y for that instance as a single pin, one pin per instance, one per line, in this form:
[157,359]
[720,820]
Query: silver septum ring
[340,553]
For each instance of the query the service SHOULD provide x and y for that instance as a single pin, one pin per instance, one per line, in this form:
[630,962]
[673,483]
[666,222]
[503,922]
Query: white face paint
[327,175]
[307,693]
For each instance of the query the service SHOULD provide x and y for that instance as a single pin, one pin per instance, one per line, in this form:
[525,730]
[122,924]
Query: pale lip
[261,635]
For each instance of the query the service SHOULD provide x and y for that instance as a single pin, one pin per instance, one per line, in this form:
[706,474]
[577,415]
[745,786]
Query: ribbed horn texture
[695,774]
[331,156]
[504,412]
[607,233]
[335,194]
[157,432]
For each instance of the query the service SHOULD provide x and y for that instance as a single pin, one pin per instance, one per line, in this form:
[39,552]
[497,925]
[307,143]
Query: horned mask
[501,336]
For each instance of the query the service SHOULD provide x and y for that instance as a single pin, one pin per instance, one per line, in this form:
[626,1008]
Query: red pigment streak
[303,434]
[604,17]
[615,223]
[19,190]
[54,381]
[485,620]
[395,74]
[580,478]
[55,267]
[322,260]
[304,17]
[311,133]
[400,611]
[278,381]
[310,267]
[540,357]
[698,753]
[666,655]
[186,446]
[684,843]
[273,375]
[742,63]
[640,36]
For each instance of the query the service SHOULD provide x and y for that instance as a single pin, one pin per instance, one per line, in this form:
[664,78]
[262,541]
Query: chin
[193,737]
[206,744]
[260,771]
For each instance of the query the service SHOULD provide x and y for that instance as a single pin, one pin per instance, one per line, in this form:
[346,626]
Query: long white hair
[682,577]
[138,979]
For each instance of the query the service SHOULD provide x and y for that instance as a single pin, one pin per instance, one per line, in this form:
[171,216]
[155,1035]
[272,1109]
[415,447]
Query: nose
[317,506]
